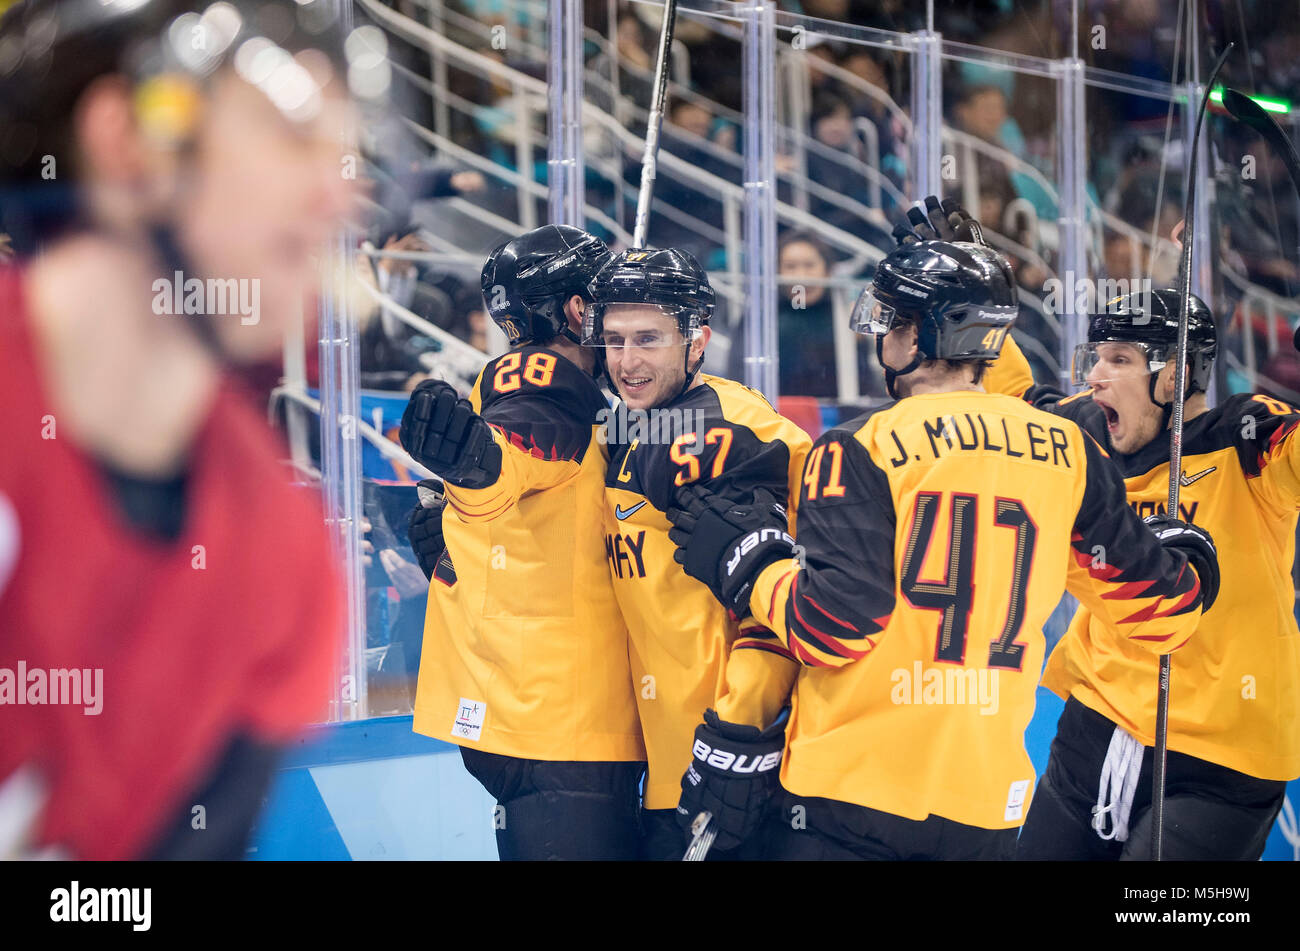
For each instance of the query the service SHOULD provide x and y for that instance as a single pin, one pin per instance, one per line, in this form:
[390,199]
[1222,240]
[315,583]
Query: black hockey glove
[733,776]
[444,433]
[425,530]
[941,221]
[725,543]
[1197,545]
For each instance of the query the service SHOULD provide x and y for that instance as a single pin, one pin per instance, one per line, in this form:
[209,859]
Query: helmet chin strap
[1167,409]
[173,259]
[890,373]
[690,372]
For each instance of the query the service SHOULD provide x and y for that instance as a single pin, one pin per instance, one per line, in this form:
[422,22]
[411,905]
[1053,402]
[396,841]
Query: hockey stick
[1176,455]
[1246,110]
[702,836]
[649,161]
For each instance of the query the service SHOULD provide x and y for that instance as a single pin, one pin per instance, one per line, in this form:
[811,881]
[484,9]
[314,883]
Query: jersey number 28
[538,371]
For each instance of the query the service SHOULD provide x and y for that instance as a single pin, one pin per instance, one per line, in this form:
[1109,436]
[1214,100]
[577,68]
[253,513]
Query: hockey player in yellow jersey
[675,426]
[525,662]
[1234,696]
[938,533]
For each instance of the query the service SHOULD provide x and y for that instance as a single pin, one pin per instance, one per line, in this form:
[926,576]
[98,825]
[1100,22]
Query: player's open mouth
[635,384]
[1112,417]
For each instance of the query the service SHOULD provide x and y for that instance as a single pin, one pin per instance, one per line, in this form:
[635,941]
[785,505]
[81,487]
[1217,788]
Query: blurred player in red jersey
[167,616]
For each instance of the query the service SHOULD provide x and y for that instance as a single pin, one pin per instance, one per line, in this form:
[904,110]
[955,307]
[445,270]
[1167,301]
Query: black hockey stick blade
[1246,110]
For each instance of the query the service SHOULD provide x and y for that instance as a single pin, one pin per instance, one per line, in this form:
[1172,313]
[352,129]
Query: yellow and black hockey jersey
[687,654]
[939,533]
[525,652]
[1234,695]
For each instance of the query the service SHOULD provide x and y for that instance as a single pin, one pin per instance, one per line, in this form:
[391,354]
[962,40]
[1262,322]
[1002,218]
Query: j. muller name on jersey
[967,432]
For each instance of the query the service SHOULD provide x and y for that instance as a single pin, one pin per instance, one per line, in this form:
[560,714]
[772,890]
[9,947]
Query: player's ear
[574,309]
[700,342]
[912,338]
[1165,382]
[108,134]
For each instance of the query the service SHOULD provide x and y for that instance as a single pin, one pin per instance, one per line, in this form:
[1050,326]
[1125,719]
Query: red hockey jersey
[131,663]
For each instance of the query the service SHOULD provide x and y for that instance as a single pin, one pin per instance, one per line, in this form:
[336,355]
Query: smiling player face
[645,354]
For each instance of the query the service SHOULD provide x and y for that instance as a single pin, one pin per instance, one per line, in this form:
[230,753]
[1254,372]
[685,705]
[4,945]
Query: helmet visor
[872,316]
[643,330]
[1109,360]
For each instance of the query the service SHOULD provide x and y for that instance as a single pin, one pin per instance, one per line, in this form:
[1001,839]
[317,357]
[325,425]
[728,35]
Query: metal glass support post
[524,155]
[438,65]
[1072,220]
[761,358]
[927,111]
[341,477]
[565,171]
[341,456]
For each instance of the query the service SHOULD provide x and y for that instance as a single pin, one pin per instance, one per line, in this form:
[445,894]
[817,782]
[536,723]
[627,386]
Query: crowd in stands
[853,117]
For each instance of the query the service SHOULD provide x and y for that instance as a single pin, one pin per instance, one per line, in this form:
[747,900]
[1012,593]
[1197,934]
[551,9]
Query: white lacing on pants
[1119,778]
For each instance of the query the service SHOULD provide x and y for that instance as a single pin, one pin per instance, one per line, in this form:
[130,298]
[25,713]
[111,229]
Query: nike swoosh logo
[1185,480]
[620,514]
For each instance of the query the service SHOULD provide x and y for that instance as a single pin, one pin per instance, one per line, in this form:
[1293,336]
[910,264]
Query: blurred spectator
[398,187]
[832,126]
[824,50]
[891,157]
[805,321]
[982,111]
[469,317]
[689,133]
[636,51]
[1122,256]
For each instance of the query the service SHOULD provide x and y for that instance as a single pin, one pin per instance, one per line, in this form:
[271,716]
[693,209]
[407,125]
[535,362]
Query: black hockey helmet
[168,51]
[960,296]
[1148,319]
[527,281]
[670,279]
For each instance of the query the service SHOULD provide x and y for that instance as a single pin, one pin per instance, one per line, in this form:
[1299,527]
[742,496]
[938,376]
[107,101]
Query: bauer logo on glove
[732,777]
[732,762]
[752,541]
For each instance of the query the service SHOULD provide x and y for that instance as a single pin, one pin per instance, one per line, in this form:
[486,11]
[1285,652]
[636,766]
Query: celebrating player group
[682,617]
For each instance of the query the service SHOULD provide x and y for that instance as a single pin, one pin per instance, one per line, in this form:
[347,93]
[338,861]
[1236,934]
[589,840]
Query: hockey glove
[444,433]
[1197,545]
[425,530]
[941,221]
[726,544]
[733,776]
